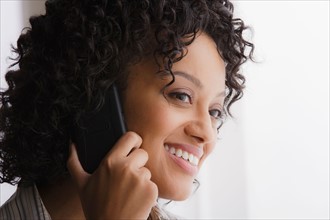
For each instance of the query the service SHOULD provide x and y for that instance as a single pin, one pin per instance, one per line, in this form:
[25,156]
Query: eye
[218,116]
[181,96]
[216,113]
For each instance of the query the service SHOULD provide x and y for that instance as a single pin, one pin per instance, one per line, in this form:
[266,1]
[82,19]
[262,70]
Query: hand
[120,188]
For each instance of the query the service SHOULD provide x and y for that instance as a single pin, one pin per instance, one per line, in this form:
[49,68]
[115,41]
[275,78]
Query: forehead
[203,62]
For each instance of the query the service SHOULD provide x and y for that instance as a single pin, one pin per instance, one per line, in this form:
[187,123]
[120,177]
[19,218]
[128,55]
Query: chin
[178,193]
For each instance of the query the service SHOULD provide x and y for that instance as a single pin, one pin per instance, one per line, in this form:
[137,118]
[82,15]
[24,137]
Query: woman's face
[179,129]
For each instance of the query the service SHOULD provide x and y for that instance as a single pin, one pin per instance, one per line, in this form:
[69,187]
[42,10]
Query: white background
[272,159]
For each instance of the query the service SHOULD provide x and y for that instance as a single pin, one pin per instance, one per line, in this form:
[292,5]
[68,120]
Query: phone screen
[99,131]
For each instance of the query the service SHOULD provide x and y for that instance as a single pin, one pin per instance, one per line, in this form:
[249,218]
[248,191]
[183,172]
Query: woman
[176,64]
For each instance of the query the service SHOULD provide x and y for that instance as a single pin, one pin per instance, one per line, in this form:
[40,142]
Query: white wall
[285,115]
[272,160]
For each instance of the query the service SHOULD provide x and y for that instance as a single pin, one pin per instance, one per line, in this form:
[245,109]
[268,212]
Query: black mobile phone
[98,131]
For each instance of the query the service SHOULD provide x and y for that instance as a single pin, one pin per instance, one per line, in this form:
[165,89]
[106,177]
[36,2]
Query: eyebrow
[195,81]
[223,94]
[189,77]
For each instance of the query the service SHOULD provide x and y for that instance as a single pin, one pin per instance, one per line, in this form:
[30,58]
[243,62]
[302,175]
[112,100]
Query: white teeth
[178,153]
[191,158]
[183,154]
[195,161]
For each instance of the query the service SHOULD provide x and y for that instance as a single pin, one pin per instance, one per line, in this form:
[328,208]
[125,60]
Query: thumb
[77,172]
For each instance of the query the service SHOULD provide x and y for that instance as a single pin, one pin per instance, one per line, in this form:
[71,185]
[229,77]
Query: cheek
[147,117]
[208,149]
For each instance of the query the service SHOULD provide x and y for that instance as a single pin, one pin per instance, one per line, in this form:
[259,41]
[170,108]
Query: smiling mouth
[192,159]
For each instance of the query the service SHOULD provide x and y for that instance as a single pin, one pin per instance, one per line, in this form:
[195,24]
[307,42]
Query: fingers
[145,173]
[76,170]
[138,158]
[125,145]
[120,182]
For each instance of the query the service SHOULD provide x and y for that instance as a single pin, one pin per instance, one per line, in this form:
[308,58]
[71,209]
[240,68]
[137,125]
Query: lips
[180,153]
[187,157]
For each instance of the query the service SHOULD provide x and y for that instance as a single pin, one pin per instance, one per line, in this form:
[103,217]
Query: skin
[162,120]
[139,169]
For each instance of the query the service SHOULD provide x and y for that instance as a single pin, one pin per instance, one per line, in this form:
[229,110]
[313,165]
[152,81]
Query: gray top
[26,203]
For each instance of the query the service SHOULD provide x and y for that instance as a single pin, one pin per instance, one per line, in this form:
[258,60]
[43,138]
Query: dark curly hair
[74,52]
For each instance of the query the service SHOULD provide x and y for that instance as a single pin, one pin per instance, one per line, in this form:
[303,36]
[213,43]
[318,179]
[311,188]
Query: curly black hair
[74,52]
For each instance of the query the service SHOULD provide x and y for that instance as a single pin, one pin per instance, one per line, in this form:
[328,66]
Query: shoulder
[25,203]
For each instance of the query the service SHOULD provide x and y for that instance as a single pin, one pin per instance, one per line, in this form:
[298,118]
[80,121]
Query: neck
[61,200]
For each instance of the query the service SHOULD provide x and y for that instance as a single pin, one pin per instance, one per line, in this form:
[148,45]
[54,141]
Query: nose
[201,128]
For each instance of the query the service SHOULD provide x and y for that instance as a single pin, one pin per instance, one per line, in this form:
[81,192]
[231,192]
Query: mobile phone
[98,131]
